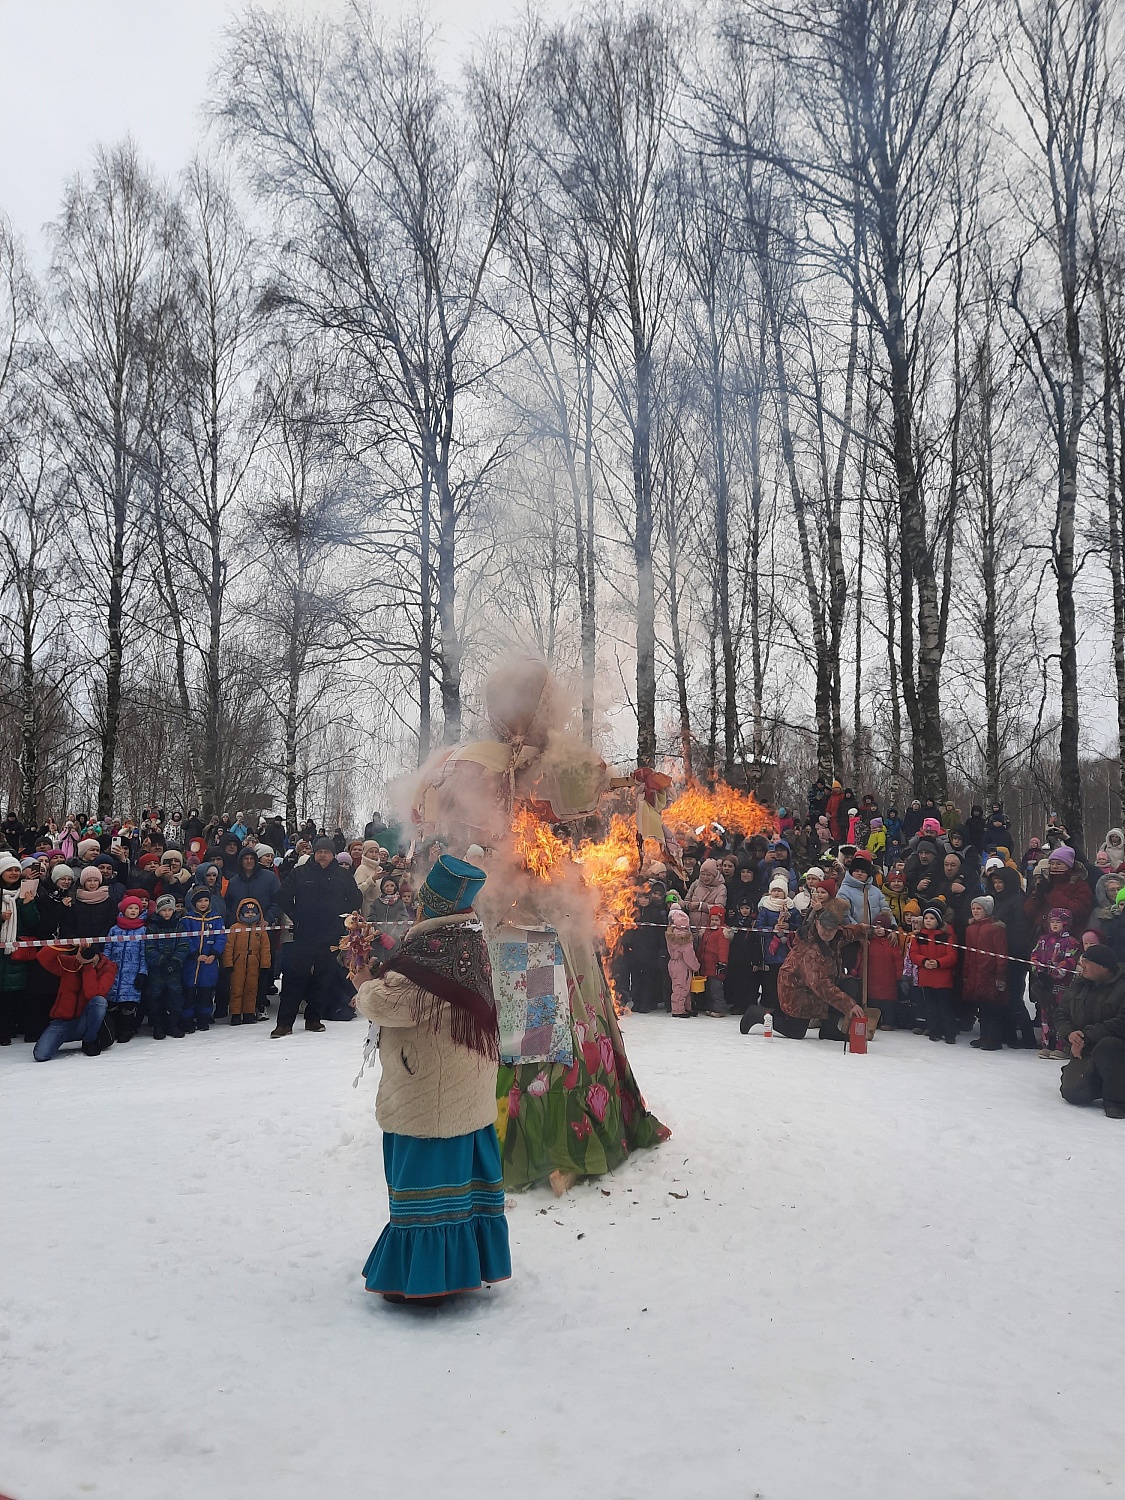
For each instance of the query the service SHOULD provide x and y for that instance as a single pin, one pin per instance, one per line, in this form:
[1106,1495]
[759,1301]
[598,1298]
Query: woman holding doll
[439,1045]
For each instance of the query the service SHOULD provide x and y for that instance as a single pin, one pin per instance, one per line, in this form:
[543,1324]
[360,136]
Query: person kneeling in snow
[1091,1020]
[810,983]
[439,1044]
[85,978]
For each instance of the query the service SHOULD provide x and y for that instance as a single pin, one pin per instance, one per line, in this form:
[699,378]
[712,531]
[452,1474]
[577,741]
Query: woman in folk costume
[439,1044]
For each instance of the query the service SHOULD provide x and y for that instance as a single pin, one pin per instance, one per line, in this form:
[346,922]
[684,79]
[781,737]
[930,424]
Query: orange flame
[738,812]
[540,848]
[608,867]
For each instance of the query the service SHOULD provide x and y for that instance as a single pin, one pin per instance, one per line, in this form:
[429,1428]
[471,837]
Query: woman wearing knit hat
[172,877]
[19,917]
[369,871]
[1063,884]
[93,913]
[61,886]
[984,974]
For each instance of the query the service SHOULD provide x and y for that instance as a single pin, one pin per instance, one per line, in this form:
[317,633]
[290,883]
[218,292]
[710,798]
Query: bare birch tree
[389,229]
[610,81]
[1057,63]
[110,275]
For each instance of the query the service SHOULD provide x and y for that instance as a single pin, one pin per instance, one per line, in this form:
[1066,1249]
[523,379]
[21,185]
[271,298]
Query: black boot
[236,1020]
[753,1015]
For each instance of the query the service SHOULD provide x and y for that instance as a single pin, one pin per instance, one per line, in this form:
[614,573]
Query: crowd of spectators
[172,924]
[925,920]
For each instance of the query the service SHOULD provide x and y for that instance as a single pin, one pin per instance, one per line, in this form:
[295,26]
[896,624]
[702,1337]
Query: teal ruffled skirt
[447,1231]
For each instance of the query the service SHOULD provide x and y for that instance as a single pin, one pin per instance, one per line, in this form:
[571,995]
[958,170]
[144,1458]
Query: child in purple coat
[1053,962]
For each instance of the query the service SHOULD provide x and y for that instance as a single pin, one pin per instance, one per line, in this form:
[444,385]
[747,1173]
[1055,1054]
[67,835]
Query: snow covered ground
[893,1275]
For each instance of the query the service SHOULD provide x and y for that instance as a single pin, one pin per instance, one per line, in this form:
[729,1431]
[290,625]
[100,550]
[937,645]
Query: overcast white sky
[74,73]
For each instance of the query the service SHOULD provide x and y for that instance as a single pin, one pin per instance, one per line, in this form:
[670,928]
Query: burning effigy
[568,1105]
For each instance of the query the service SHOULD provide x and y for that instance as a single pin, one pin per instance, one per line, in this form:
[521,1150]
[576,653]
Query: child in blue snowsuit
[125,947]
[206,938]
[164,988]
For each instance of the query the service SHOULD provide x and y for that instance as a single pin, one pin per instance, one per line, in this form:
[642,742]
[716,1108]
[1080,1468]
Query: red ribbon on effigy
[653,782]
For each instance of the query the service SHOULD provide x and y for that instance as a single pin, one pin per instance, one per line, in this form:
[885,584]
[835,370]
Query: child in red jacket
[936,961]
[984,977]
[884,970]
[713,948]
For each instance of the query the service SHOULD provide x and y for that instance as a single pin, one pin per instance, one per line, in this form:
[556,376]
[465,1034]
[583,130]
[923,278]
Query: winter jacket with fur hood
[1114,850]
[246,955]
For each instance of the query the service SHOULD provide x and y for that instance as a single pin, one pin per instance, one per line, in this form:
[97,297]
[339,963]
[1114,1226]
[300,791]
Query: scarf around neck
[9,918]
[451,971]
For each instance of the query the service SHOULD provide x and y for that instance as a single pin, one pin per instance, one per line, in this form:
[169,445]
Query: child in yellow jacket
[247,956]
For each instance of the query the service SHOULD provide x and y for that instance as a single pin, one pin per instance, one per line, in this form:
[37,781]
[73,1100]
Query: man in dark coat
[317,896]
[1003,886]
[375,829]
[12,830]
[923,871]
[1091,1021]
[912,820]
[273,833]
[975,828]
[252,881]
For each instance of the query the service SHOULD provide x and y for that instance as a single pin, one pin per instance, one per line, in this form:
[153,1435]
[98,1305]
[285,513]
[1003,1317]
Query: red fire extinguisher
[857,1033]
